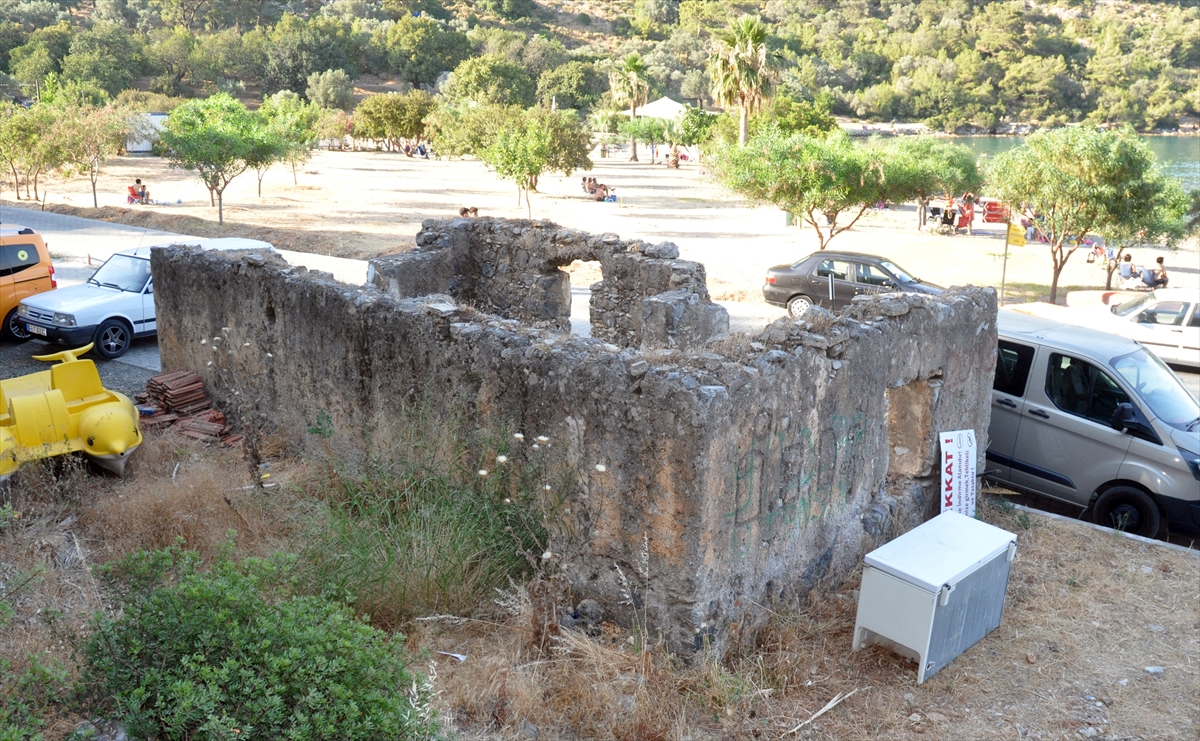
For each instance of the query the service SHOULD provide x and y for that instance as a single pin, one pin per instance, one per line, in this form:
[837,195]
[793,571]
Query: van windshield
[124,273]
[1158,387]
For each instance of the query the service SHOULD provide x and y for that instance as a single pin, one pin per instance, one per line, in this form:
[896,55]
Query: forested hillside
[946,62]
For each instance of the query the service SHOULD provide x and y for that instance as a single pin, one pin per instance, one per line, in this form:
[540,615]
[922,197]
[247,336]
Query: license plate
[35,329]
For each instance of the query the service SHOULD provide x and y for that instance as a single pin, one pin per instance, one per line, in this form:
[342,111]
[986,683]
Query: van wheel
[797,305]
[13,329]
[112,339]
[1129,510]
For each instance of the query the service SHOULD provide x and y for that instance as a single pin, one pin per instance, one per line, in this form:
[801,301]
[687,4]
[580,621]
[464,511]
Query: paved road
[79,246]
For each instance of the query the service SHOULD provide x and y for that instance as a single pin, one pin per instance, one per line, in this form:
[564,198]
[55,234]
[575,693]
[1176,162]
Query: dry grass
[1085,614]
[178,488]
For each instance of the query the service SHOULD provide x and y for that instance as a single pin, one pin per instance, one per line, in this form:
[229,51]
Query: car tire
[112,339]
[797,305]
[13,328]
[1128,509]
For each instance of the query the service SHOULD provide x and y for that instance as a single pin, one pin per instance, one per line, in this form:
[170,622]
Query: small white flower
[209,363]
[226,330]
[507,500]
[502,459]
[601,467]
[483,472]
[214,347]
[269,355]
[547,556]
[245,344]
[543,439]
[216,339]
[518,436]
[547,487]
[535,446]
[204,342]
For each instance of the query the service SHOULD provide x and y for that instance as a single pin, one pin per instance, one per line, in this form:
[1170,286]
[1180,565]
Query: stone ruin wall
[750,469]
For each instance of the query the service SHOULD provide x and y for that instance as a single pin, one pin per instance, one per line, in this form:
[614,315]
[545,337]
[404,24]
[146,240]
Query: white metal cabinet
[935,591]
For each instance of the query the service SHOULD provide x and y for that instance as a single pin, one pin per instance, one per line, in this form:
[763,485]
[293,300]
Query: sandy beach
[363,204]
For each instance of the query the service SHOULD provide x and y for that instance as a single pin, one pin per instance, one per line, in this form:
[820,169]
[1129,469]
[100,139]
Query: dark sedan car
[833,279]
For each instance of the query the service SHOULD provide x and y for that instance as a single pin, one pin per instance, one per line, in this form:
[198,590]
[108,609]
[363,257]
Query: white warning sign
[958,472]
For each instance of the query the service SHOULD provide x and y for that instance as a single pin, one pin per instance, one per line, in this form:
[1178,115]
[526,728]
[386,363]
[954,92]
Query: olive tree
[217,137]
[1075,180]
[829,182]
[537,141]
[926,167]
[91,136]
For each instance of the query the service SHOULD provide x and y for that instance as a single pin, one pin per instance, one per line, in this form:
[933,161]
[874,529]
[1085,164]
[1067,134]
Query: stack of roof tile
[179,399]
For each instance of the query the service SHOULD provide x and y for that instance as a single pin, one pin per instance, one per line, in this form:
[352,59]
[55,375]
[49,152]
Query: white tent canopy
[661,108]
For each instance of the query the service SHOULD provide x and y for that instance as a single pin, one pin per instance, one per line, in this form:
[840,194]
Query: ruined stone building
[748,469]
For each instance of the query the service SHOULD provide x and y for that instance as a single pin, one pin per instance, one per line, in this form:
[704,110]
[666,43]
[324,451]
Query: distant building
[145,133]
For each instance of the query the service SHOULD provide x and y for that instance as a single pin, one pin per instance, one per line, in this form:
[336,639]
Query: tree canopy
[1076,180]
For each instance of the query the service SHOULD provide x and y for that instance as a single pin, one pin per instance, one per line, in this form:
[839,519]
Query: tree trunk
[922,205]
[95,203]
[221,206]
[36,175]
[744,126]
[260,174]
[633,139]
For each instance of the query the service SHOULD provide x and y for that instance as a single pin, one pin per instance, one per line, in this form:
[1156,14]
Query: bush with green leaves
[230,653]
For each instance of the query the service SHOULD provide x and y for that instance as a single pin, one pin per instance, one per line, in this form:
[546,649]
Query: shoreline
[909,128]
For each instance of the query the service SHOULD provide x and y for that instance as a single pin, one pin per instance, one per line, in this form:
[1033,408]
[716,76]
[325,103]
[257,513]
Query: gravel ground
[127,375]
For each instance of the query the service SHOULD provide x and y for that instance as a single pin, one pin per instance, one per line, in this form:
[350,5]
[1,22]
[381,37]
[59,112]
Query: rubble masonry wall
[750,469]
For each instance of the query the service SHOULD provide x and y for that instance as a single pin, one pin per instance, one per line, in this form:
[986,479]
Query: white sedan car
[1166,320]
[114,306]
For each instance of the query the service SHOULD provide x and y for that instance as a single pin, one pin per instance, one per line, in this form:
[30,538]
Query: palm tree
[629,85]
[741,68]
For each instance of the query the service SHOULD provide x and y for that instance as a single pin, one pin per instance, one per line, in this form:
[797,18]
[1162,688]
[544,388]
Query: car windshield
[1159,388]
[123,272]
[1130,307]
[895,270]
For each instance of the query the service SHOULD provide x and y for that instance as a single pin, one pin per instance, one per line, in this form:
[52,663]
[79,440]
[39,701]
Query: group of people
[599,191]
[418,150]
[956,214]
[468,213]
[1155,277]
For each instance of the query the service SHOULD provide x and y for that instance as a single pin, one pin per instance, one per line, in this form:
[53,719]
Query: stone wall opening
[582,274]
[911,439]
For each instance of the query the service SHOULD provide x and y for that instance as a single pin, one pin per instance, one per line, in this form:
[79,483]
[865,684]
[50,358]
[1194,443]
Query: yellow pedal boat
[65,409]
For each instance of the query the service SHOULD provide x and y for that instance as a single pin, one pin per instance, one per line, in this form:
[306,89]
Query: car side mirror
[1122,416]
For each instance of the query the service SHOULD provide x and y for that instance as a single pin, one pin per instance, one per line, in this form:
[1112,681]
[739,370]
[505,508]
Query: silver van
[1097,421]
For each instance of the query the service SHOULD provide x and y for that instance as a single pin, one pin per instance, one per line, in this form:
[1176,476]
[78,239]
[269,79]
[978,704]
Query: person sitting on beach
[464,212]
[1127,269]
[1160,274]
[142,194]
[584,181]
[601,192]
[473,212]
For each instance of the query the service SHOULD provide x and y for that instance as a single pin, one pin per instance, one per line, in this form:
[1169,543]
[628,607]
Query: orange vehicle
[25,270]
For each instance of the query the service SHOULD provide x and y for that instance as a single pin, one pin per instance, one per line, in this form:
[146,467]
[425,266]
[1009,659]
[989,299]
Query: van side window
[17,257]
[1013,362]
[1195,322]
[1082,389]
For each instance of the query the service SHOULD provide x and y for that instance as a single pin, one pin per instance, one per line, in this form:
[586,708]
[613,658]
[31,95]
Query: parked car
[115,305]
[1165,320]
[833,279]
[1097,421]
[25,270]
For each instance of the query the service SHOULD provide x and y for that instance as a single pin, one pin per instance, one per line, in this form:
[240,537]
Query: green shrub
[227,654]
[584,19]
[26,696]
[403,538]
